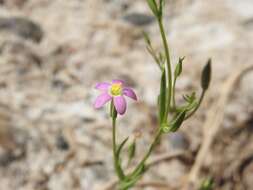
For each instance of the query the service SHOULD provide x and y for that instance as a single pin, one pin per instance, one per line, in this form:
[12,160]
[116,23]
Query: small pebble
[62,143]
[178,141]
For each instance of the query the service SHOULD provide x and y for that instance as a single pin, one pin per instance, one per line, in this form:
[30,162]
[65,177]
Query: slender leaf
[153,7]
[147,39]
[178,121]
[162,98]
[120,147]
[161,5]
[162,58]
[131,150]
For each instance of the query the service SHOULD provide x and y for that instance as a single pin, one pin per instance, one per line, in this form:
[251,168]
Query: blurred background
[52,53]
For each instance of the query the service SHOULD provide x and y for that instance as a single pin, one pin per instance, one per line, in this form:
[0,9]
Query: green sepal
[162,98]
[113,112]
[192,103]
[153,6]
[178,69]
[206,75]
[190,98]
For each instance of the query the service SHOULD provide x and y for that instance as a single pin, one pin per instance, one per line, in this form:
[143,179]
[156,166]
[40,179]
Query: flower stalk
[117,166]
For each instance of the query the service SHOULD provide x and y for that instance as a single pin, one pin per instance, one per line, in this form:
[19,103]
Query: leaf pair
[155,8]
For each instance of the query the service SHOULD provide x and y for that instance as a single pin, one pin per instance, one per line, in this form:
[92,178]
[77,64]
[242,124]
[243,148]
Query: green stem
[152,146]
[117,166]
[174,95]
[169,74]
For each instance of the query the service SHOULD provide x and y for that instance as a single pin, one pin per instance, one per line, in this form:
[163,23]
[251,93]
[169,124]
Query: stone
[62,143]
[22,27]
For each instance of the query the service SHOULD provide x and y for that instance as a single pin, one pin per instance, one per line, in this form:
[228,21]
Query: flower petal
[130,93]
[120,104]
[102,85]
[101,100]
[118,81]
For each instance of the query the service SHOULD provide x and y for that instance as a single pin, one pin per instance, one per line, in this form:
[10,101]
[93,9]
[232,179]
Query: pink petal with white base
[120,104]
[101,100]
[102,85]
[118,81]
[130,93]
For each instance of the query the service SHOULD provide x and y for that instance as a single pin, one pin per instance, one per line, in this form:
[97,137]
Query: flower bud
[206,75]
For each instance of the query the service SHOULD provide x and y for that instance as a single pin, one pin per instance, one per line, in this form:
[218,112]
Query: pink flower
[114,91]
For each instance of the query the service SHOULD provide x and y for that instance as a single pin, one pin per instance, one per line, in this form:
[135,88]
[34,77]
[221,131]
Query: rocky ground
[52,52]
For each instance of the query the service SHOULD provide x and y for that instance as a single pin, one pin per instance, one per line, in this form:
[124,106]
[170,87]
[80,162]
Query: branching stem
[168,65]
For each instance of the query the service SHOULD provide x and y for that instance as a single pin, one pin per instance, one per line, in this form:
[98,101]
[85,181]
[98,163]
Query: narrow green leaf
[206,75]
[153,6]
[120,147]
[118,160]
[161,5]
[178,121]
[147,38]
[162,98]
[131,150]
[153,54]
[162,58]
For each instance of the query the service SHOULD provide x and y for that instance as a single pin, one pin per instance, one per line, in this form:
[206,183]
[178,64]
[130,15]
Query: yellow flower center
[116,89]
